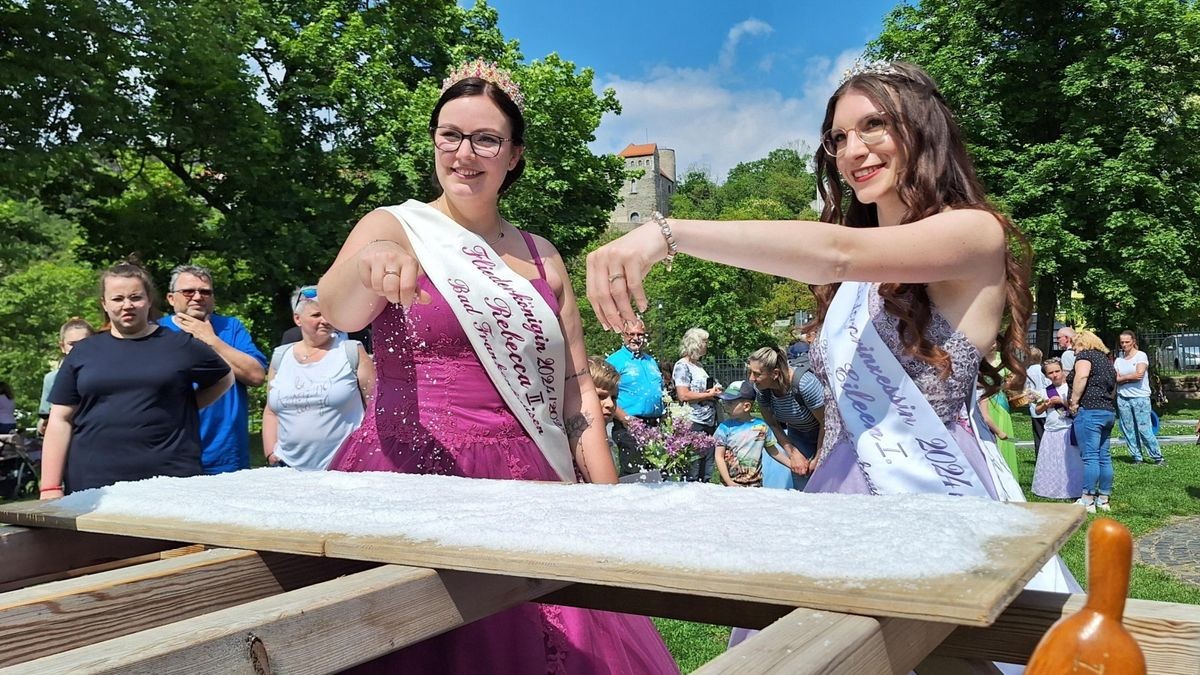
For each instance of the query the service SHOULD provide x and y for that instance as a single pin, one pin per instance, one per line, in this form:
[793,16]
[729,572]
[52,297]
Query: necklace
[445,209]
[498,237]
[305,357]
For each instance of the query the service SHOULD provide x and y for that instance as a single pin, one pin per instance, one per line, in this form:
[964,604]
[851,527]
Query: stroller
[20,464]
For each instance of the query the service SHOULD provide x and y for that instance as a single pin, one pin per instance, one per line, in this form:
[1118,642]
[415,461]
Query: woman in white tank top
[316,393]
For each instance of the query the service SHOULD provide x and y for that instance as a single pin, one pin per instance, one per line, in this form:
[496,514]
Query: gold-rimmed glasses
[871,130]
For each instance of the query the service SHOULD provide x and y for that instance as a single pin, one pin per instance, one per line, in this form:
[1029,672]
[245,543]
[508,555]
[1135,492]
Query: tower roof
[635,150]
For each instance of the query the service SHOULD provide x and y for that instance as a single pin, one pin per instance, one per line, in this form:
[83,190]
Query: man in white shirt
[1035,384]
[1065,338]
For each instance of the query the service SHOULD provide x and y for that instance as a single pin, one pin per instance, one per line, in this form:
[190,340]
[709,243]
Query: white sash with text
[903,446]
[514,333]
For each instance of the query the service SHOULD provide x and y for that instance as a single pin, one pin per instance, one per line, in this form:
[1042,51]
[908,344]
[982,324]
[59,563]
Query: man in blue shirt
[224,425]
[639,395]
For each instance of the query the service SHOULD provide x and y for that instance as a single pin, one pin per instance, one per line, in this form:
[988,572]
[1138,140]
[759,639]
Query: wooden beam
[30,556]
[321,628]
[103,567]
[1168,633]
[59,616]
[810,642]
[681,606]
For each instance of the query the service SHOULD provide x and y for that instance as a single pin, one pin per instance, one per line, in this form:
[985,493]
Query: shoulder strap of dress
[537,259]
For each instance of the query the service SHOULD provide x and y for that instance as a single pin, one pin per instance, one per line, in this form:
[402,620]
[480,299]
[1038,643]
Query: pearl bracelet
[665,228]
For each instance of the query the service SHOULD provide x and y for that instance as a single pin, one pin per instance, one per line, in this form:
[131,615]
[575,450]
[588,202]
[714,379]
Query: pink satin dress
[435,410]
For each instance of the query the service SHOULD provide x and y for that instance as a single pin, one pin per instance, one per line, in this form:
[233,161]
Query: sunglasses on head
[310,293]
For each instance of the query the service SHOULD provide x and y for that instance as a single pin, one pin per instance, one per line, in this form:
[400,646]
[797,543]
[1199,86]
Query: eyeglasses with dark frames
[483,143]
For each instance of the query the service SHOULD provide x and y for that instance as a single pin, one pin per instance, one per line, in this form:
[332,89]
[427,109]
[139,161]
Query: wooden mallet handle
[1093,640]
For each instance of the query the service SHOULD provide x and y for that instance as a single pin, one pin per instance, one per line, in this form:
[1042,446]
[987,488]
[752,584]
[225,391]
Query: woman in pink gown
[437,407]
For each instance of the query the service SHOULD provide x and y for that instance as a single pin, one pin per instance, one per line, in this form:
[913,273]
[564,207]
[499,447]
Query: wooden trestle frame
[77,602]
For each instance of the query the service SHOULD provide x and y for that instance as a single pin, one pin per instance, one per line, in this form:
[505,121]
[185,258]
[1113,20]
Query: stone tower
[652,191]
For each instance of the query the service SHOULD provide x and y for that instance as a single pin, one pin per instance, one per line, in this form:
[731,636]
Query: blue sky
[720,82]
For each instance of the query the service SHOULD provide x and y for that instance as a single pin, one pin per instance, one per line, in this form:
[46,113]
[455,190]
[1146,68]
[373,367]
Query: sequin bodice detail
[430,381]
[946,396]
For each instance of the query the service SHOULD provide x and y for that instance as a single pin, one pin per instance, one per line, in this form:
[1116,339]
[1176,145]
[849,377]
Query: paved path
[1114,442]
[1174,549]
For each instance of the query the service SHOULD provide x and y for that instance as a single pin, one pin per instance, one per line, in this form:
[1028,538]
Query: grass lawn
[1144,498]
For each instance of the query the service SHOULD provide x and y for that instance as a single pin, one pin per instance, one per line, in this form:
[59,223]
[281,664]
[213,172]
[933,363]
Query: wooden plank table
[972,598]
[225,611]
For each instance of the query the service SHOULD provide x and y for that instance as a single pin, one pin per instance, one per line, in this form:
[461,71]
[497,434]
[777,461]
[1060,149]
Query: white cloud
[708,123]
[748,27]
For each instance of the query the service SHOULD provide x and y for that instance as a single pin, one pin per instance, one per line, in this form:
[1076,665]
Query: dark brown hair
[474,86]
[937,174]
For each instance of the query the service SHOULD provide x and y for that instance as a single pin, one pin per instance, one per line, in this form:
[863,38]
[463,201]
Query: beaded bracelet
[665,228]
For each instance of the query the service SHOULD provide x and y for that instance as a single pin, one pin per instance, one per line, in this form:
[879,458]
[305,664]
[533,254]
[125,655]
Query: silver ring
[616,276]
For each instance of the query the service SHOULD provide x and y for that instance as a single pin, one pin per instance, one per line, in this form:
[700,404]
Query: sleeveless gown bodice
[435,410]
[838,469]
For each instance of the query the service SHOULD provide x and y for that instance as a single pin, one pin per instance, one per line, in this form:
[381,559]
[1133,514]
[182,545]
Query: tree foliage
[252,134]
[41,286]
[1080,117]
[737,307]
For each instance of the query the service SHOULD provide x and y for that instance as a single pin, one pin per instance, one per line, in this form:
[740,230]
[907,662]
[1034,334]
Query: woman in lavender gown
[910,254]
[482,372]
[916,275]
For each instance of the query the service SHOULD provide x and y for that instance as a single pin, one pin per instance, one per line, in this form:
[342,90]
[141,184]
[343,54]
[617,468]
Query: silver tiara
[861,67]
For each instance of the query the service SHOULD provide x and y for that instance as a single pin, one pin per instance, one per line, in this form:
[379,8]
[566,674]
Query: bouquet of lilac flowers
[671,447]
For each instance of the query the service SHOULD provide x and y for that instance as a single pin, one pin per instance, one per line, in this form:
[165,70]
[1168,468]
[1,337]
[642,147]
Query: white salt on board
[706,527]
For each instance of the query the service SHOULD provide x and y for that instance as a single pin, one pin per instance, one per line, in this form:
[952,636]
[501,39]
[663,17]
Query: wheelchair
[20,467]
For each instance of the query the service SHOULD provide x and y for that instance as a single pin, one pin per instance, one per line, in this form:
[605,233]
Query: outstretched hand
[615,272]
[389,270]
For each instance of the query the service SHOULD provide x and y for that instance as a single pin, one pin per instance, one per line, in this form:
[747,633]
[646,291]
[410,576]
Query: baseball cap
[742,390]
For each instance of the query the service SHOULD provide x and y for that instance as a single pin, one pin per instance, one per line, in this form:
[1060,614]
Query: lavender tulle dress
[837,469]
[436,411]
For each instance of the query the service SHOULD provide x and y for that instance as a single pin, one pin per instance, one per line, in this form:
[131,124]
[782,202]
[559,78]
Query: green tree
[696,197]
[29,234]
[737,307]
[254,133]
[41,285]
[1080,118]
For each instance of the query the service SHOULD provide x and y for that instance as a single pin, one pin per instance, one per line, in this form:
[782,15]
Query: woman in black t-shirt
[1092,403]
[125,404]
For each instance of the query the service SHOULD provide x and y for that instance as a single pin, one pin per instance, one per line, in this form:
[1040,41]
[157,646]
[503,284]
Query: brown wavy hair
[937,175]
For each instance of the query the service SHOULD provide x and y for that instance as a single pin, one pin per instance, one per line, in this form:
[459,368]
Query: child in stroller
[20,464]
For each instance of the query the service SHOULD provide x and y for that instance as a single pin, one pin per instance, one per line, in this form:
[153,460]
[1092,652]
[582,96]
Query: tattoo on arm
[575,375]
[577,424]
